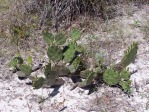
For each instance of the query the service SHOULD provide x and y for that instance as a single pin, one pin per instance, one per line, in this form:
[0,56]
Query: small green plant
[136,24]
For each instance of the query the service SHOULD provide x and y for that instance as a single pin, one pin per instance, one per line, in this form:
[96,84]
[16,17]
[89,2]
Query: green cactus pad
[75,64]
[29,60]
[125,85]
[15,61]
[84,74]
[51,77]
[60,39]
[38,82]
[75,34]
[99,58]
[99,70]
[69,54]
[88,80]
[129,55]
[54,53]
[78,48]
[125,75]
[48,37]
[25,69]
[47,69]
[111,77]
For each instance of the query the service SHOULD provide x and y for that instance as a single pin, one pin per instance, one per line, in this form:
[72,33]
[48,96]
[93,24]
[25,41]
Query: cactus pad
[60,39]
[75,34]
[125,85]
[88,80]
[129,55]
[25,69]
[38,82]
[15,61]
[51,77]
[125,75]
[74,65]
[54,53]
[69,54]
[29,60]
[84,74]
[48,37]
[47,69]
[111,77]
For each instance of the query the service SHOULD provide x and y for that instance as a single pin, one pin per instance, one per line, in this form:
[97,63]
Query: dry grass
[22,18]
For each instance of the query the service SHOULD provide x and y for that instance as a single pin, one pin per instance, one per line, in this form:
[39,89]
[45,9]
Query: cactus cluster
[112,77]
[66,58]
[56,53]
[118,74]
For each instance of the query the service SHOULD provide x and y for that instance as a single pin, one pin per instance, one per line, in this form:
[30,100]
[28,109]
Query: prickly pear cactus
[84,74]
[129,55]
[119,75]
[79,48]
[99,58]
[60,39]
[69,54]
[50,75]
[25,69]
[74,65]
[38,82]
[125,81]
[16,61]
[125,85]
[89,79]
[51,78]
[125,75]
[111,77]
[48,37]
[47,69]
[54,53]
[75,34]
[99,70]
[29,60]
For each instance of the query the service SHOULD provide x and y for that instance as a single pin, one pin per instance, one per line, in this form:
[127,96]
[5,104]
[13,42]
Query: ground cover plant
[66,59]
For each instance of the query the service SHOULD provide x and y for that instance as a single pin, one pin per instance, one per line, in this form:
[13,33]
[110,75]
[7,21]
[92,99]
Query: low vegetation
[66,59]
